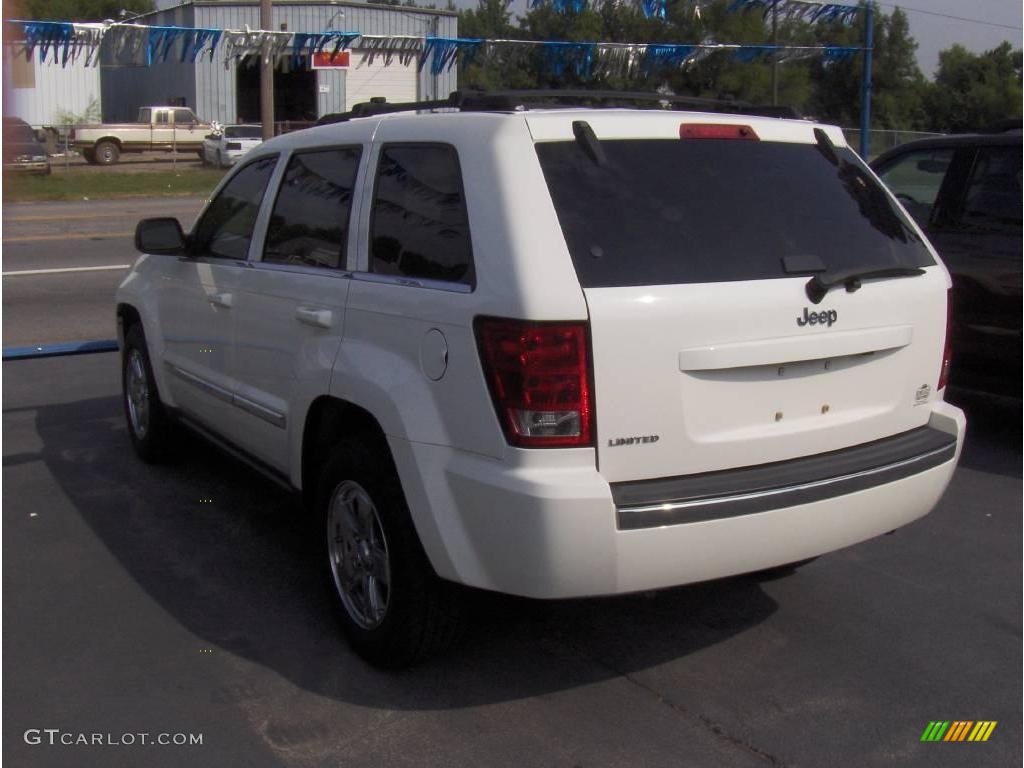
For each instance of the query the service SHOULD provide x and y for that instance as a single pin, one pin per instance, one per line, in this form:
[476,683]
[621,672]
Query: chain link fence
[880,141]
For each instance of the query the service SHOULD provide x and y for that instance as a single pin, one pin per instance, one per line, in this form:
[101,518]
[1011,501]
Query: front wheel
[393,608]
[149,426]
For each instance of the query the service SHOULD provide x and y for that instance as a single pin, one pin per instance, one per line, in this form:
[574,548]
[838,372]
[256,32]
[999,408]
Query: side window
[226,227]
[145,115]
[160,118]
[310,221]
[915,179]
[992,199]
[184,117]
[419,227]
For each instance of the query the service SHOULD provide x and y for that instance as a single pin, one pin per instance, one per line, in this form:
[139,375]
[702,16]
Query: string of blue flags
[803,10]
[131,44]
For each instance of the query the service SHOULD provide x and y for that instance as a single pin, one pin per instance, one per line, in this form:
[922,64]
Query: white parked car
[554,353]
[224,148]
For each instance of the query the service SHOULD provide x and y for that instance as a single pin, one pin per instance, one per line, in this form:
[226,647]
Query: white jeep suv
[551,352]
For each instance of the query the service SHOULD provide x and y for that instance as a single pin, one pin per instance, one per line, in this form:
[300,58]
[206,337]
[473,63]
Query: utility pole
[266,76]
[775,56]
[865,94]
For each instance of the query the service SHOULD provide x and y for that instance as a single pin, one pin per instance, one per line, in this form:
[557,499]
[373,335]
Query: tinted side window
[183,116]
[419,227]
[226,227]
[310,221]
[992,199]
[916,177]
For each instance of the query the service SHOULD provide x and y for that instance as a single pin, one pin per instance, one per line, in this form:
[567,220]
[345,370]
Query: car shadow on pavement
[232,557]
[993,433]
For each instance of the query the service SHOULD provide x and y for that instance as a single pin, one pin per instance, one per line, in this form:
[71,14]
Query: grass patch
[97,185]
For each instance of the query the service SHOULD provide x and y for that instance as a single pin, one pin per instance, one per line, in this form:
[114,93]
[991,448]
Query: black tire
[421,613]
[107,153]
[151,433]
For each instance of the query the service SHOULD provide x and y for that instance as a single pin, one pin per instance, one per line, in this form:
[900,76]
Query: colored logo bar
[958,730]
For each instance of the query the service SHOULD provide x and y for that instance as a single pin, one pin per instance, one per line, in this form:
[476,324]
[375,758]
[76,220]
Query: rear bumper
[556,531]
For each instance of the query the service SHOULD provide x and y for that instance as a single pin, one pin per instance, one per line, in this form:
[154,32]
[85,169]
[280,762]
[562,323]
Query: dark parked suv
[965,192]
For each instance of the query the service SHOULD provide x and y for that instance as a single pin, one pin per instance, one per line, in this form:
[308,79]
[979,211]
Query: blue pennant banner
[579,57]
[45,35]
[800,10]
[652,9]
[306,44]
[444,52]
[132,44]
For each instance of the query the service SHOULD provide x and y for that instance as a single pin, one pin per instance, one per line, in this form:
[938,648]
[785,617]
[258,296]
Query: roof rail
[517,101]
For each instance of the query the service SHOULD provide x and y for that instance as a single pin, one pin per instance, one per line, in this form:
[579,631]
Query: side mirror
[162,236]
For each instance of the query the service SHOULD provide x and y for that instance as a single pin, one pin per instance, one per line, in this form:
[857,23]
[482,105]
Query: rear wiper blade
[819,285]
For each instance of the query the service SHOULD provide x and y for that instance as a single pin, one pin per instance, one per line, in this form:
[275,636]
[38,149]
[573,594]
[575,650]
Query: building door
[294,92]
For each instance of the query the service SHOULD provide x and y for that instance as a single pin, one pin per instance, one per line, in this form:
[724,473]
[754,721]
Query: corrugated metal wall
[216,85]
[210,88]
[55,89]
[125,88]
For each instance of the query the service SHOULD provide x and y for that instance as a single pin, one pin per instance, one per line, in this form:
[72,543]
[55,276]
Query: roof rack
[518,101]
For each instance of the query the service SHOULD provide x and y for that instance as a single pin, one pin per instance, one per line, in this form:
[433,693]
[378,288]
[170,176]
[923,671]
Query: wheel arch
[127,316]
[328,420]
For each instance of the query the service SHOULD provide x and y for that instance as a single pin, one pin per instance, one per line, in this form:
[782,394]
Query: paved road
[132,605]
[72,305]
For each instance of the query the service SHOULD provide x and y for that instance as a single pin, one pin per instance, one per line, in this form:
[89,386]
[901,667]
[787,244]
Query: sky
[935,33]
[929,28]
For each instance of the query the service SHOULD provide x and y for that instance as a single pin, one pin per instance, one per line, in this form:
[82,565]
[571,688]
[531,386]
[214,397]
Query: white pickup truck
[159,129]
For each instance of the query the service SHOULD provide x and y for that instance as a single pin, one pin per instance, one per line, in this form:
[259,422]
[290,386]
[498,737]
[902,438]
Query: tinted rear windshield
[656,212]
[243,132]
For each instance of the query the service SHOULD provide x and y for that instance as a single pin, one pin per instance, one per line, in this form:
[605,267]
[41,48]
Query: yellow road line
[66,236]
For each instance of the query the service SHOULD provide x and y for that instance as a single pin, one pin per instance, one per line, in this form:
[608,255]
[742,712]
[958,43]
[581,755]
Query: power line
[948,16]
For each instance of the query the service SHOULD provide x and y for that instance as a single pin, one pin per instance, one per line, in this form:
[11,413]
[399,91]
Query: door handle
[319,318]
[221,299]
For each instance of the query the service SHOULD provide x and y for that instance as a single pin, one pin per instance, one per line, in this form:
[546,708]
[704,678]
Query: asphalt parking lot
[185,600]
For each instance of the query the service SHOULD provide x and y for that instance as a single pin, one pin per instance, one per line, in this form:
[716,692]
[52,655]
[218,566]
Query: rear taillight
[947,347]
[539,378]
[716,131]
[71,134]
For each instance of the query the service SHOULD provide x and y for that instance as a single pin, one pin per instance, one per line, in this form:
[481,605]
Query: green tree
[897,99]
[83,10]
[974,90]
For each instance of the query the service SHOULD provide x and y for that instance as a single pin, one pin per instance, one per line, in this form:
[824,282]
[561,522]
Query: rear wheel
[393,608]
[149,426]
[107,153]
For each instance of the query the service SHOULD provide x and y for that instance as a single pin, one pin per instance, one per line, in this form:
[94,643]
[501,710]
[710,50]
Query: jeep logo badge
[817,318]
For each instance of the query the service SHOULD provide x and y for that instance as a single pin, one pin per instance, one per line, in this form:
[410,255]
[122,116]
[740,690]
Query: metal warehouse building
[230,94]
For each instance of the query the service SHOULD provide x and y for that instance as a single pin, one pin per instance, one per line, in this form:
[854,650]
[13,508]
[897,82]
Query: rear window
[659,212]
[243,132]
